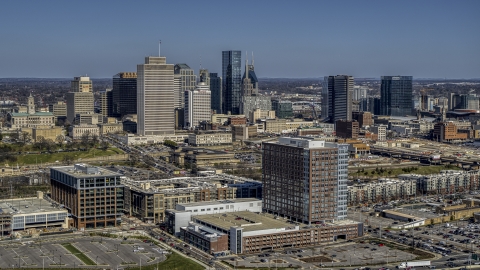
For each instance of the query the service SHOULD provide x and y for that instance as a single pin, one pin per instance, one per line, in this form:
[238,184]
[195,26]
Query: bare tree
[85,139]
[94,140]
[25,137]
[60,139]
[67,159]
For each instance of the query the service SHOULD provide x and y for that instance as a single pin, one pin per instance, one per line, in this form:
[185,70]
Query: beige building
[155,97]
[79,103]
[197,105]
[201,157]
[210,138]
[77,131]
[31,118]
[81,84]
[47,133]
[110,128]
[221,119]
[261,114]
[58,109]
[88,119]
[244,132]
[273,125]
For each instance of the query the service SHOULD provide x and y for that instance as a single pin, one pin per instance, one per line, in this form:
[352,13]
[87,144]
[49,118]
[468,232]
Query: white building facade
[197,105]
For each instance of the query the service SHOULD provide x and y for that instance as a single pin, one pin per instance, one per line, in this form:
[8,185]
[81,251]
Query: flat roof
[249,221]
[27,206]
[85,170]
[220,202]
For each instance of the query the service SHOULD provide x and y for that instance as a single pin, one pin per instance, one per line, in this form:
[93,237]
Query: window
[203,210]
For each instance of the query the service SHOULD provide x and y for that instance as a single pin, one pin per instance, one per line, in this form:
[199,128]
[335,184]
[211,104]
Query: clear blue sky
[63,39]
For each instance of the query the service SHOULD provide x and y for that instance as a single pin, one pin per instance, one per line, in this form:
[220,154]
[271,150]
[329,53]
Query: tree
[25,137]
[60,139]
[85,139]
[94,140]
[170,144]
[40,143]
[49,144]
[67,159]
[104,145]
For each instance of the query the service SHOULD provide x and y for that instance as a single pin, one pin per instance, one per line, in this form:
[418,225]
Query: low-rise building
[347,129]
[445,182]
[250,232]
[381,191]
[381,131]
[201,157]
[210,138]
[77,131]
[244,132]
[110,128]
[181,216]
[27,213]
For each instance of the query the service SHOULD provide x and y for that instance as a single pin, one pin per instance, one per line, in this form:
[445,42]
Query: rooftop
[248,220]
[240,200]
[84,170]
[27,206]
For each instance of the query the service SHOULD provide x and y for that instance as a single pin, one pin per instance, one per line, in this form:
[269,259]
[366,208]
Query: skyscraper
[155,97]
[185,79]
[305,180]
[216,92]
[197,105]
[80,98]
[81,84]
[124,94]
[396,95]
[106,102]
[337,95]
[204,76]
[232,81]
[249,80]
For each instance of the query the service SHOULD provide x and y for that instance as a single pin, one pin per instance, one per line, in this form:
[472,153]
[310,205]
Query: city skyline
[425,39]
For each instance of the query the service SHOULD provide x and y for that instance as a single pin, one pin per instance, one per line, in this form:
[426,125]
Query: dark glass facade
[337,97]
[396,95]
[216,92]
[124,94]
[282,108]
[232,81]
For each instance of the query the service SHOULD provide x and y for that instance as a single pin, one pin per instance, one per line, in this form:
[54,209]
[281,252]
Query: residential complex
[305,180]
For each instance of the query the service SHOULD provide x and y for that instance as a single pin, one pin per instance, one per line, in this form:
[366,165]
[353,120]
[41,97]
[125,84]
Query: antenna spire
[159,47]
[252,58]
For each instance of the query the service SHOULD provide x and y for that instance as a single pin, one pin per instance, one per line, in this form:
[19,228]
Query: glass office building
[396,95]
[232,81]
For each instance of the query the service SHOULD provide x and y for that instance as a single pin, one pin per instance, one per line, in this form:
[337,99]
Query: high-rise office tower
[337,96]
[216,92]
[461,101]
[106,103]
[305,180]
[80,98]
[185,80]
[81,84]
[359,92]
[249,80]
[197,105]
[232,81]
[396,95]
[155,97]
[124,94]
[204,76]
[251,100]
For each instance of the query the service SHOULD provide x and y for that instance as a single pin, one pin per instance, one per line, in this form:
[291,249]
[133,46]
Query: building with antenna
[232,81]
[251,99]
[155,97]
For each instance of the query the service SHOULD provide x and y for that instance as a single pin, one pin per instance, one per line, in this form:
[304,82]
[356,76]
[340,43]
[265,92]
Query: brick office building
[92,195]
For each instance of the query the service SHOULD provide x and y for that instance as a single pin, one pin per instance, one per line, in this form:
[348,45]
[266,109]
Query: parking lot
[102,251]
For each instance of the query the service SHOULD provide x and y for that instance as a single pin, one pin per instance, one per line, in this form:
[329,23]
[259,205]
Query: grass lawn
[173,262]
[52,157]
[86,260]
[393,172]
